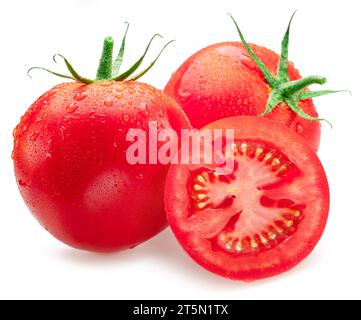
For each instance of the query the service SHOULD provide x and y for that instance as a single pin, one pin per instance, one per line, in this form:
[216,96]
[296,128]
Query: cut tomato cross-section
[264,217]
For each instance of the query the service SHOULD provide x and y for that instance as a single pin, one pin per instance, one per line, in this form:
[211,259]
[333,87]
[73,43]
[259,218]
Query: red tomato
[231,78]
[71,167]
[70,155]
[222,81]
[262,219]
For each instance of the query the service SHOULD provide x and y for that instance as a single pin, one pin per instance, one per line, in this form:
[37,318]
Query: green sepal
[281,88]
[119,59]
[266,73]
[142,73]
[136,65]
[72,70]
[295,108]
[304,95]
[108,69]
[52,72]
[282,72]
[274,100]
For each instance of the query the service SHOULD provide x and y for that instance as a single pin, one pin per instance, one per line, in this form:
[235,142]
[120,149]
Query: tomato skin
[287,254]
[221,81]
[70,164]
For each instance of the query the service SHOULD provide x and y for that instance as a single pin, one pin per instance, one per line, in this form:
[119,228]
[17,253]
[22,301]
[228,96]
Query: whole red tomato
[233,78]
[70,159]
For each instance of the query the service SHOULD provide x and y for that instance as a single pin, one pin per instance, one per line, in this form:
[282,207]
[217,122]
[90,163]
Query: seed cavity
[197,187]
[276,162]
[268,157]
[263,240]
[272,236]
[259,151]
[281,217]
[201,179]
[244,147]
[229,245]
[296,213]
[239,247]
[202,196]
[202,205]
[282,170]
[288,223]
[254,244]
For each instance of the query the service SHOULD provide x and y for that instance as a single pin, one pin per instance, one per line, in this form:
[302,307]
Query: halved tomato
[260,220]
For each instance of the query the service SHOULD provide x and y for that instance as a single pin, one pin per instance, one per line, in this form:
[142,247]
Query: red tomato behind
[71,168]
[260,220]
[222,81]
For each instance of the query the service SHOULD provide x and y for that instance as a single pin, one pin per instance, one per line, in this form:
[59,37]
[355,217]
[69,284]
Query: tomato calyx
[282,89]
[108,69]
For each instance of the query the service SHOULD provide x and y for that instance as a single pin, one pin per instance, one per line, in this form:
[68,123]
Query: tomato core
[261,222]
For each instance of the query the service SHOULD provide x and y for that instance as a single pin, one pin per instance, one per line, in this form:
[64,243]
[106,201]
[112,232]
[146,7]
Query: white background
[325,40]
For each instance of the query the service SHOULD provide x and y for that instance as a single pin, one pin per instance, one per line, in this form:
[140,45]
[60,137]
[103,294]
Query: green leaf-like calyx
[282,89]
[108,69]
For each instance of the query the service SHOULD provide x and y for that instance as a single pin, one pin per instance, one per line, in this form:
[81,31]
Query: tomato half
[262,219]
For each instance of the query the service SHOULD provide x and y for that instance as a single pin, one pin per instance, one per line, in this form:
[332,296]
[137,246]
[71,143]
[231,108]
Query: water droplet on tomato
[72,107]
[184,94]
[34,136]
[106,83]
[79,96]
[108,103]
[22,183]
[62,130]
[126,118]
[299,128]
[140,176]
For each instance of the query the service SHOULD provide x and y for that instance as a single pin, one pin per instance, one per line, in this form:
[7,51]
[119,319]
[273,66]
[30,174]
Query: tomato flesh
[260,220]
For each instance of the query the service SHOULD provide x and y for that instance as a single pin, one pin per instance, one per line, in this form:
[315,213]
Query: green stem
[105,68]
[292,87]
